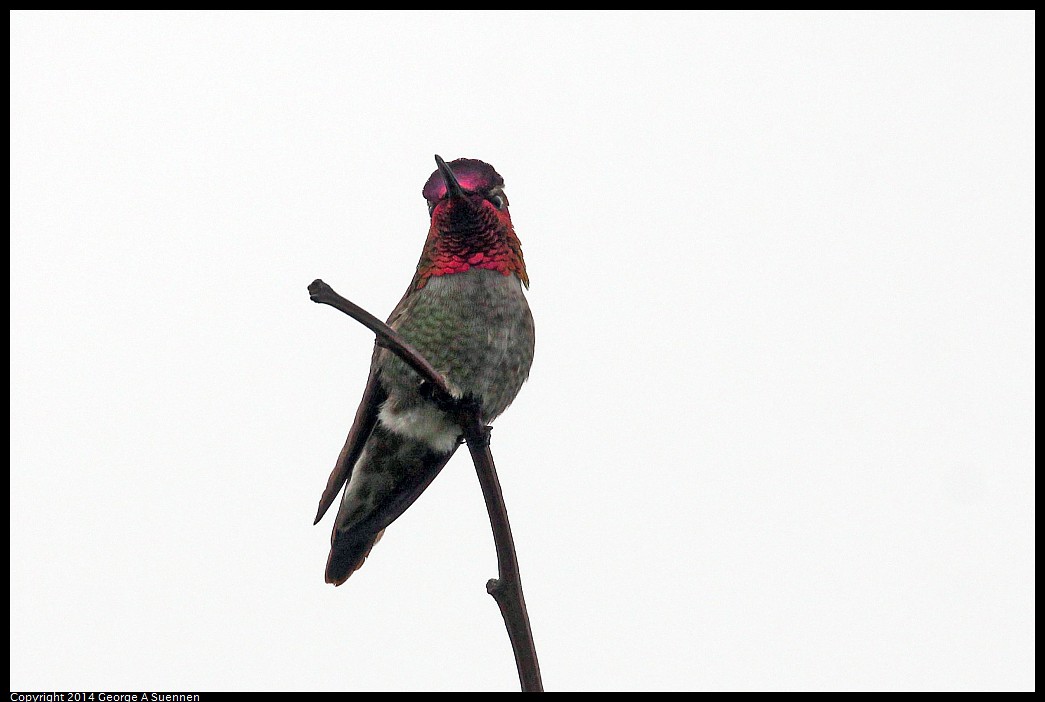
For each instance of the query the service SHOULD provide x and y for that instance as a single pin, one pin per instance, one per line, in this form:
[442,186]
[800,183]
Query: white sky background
[779,430]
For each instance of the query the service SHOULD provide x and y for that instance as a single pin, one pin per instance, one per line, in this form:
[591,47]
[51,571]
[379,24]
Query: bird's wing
[362,426]
[366,415]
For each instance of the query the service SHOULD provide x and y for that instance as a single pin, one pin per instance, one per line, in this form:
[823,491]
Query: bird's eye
[497,201]
[431,208]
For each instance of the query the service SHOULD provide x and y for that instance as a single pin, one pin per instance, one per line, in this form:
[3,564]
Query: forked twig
[506,588]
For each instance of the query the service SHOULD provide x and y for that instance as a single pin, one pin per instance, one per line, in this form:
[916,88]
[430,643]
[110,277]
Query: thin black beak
[453,188]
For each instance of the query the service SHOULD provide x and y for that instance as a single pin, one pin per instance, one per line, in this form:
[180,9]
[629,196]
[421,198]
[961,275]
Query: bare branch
[506,589]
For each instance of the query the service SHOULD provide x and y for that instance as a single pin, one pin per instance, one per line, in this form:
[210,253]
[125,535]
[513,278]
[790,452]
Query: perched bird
[465,311]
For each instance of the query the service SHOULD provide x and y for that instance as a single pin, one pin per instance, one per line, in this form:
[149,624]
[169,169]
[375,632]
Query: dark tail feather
[360,523]
[347,554]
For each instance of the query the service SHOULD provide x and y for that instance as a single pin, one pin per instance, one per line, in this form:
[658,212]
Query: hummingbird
[466,312]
